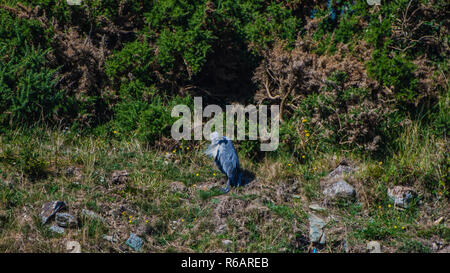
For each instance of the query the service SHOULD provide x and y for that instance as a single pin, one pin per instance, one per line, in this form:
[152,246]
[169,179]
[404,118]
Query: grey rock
[134,241]
[373,247]
[316,233]
[66,220]
[73,247]
[56,229]
[340,189]
[221,229]
[227,243]
[401,196]
[316,207]
[49,210]
[340,171]
[109,238]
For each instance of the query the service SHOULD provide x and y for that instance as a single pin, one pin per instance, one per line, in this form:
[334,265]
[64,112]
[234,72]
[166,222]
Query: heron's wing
[227,159]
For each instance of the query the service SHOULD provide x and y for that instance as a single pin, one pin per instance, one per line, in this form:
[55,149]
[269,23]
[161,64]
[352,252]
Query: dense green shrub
[338,117]
[124,63]
[397,73]
[185,31]
[147,121]
[28,92]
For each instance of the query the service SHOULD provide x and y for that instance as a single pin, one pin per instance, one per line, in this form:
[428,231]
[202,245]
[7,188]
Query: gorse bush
[396,73]
[28,92]
[352,70]
[147,121]
[336,116]
[135,60]
[181,36]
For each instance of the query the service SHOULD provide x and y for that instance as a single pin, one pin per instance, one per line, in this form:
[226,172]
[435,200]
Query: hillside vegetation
[86,93]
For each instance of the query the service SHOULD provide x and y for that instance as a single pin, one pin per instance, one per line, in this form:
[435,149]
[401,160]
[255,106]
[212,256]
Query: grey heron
[226,159]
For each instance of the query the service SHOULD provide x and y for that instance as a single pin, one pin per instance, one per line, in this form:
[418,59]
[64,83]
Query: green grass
[186,220]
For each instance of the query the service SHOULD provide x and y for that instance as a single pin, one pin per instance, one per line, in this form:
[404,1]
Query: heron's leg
[227,188]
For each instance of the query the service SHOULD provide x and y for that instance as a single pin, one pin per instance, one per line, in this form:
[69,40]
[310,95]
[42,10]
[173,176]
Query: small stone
[134,242]
[49,210]
[316,207]
[109,238]
[73,247]
[66,220]
[227,243]
[373,247]
[221,229]
[119,177]
[316,233]
[340,171]
[402,196]
[340,189]
[56,229]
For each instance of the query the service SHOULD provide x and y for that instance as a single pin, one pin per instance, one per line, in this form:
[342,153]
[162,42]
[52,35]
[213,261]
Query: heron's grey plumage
[226,159]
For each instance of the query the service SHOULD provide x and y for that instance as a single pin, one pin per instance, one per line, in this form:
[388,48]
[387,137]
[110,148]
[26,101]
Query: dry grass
[174,209]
